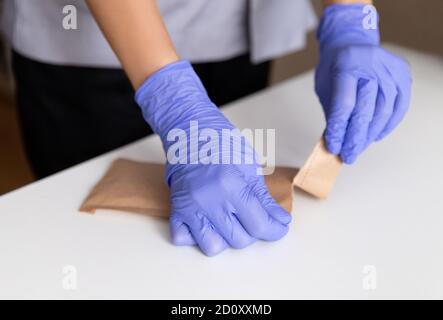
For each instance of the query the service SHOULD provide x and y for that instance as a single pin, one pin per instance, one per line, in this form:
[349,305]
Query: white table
[386,211]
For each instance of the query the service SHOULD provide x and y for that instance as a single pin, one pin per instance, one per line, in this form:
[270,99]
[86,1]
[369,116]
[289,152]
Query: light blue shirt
[202,30]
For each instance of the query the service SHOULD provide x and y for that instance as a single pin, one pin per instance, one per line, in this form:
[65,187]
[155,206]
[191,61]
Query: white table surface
[385,211]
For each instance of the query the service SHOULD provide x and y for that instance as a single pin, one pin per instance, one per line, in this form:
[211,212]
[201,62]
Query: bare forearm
[329,2]
[137,34]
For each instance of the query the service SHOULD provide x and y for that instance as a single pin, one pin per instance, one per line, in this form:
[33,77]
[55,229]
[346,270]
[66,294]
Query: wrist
[141,69]
[172,97]
[348,24]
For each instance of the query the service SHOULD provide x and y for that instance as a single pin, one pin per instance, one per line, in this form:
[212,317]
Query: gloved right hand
[364,89]
[215,203]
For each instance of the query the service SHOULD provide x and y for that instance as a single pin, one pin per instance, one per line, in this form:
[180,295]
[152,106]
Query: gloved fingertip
[214,248]
[284,231]
[333,141]
[333,147]
[276,232]
[209,240]
[280,214]
[349,158]
[181,236]
[273,209]
[370,139]
[243,243]
[380,137]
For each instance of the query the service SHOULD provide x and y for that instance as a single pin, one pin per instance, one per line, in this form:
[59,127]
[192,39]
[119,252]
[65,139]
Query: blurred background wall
[413,23]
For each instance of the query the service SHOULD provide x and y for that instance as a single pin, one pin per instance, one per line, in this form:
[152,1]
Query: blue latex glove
[363,88]
[215,205]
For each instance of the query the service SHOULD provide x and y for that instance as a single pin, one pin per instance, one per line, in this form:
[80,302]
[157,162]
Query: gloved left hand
[219,198]
[363,88]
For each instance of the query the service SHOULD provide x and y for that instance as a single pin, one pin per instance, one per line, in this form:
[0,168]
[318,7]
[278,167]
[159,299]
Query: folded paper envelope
[139,187]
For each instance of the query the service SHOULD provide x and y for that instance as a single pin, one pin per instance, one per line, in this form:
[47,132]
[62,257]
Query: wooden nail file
[319,173]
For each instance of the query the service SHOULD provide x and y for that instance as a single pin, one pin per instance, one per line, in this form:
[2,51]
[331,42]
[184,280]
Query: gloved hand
[213,205]
[363,88]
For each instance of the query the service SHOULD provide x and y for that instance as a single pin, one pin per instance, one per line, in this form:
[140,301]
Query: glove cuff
[164,97]
[348,24]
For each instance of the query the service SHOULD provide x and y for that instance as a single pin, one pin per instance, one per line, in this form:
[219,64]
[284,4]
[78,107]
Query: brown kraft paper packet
[139,187]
